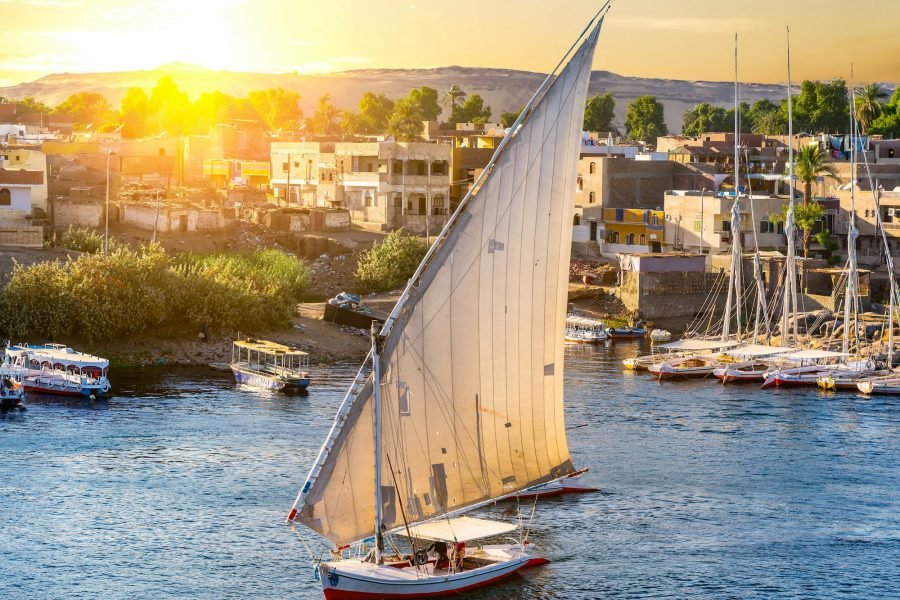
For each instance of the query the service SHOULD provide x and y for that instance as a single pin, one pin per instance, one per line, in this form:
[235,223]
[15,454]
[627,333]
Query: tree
[745,123]
[806,215]
[868,105]
[278,108]
[599,112]
[87,108]
[703,118]
[508,118]
[135,108]
[426,99]
[374,112]
[820,107]
[390,264]
[644,120]
[473,110]
[888,122]
[811,163]
[323,120]
[406,121]
[453,96]
[30,105]
[168,108]
[765,118]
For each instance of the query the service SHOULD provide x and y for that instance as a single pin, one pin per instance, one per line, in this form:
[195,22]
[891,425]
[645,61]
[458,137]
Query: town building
[384,185]
[697,221]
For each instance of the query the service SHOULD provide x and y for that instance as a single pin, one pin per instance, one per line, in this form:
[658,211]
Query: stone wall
[79,214]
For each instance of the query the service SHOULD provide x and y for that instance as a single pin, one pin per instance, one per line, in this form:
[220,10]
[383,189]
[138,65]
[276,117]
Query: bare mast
[789,304]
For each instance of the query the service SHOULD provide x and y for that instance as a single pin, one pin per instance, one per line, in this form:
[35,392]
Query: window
[580,183]
[398,201]
[592,198]
[698,226]
[630,241]
[5,197]
[726,226]
[368,200]
[577,220]
[766,227]
[592,168]
[643,240]
[285,166]
[655,219]
[437,205]
[162,151]
[297,163]
[612,237]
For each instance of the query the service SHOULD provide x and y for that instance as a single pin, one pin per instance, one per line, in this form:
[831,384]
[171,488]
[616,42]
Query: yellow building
[223,172]
[634,227]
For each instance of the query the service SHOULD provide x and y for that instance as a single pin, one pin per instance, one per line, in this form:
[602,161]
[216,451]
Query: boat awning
[63,355]
[813,355]
[699,345]
[757,350]
[458,529]
[584,322]
[267,347]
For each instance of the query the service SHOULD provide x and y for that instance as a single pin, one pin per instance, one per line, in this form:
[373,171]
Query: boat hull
[351,318]
[371,582]
[626,334]
[57,385]
[269,382]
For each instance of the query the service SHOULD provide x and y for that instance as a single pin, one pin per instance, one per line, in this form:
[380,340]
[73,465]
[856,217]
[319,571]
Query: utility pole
[156,220]
[106,231]
[287,196]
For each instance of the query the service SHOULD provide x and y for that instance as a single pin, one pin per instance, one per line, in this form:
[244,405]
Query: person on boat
[440,550]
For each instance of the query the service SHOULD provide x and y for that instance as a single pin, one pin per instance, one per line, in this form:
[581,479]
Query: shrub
[390,264]
[82,239]
[132,292]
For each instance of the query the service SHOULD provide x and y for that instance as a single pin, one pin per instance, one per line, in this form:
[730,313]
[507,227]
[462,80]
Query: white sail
[472,358]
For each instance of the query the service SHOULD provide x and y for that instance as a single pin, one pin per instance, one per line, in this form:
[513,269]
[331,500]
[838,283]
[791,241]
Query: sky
[676,39]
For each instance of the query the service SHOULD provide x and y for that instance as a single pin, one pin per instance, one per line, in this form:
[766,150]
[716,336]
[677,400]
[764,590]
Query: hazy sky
[683,39]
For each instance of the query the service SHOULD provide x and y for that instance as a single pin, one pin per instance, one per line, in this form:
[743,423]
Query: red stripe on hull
[794,383]
[333,594]
[53,391]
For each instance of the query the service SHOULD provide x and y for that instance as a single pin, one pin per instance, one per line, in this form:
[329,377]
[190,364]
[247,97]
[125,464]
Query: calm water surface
[177,487]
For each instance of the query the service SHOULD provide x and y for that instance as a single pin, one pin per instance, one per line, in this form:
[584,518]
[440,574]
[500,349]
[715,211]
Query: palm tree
[405,122]
[868,104]
[810,163]
[452,97]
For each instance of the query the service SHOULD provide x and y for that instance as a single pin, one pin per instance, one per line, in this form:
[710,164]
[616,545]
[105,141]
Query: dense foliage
[390,264]
[134,292]
[82,239]
[599,112]
[644,120]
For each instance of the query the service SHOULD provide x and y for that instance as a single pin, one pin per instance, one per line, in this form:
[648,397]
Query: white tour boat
[269,365]
[583,330]
[59,370]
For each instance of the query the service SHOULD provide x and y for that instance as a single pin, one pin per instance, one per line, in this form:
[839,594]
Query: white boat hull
[357,580]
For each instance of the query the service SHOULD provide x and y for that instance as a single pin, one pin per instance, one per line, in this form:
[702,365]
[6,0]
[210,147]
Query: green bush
[133,292]
[390,264]
[82,239]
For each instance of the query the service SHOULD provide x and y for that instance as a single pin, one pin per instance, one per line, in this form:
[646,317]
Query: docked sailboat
[460,401]
[889,386]
[746,364]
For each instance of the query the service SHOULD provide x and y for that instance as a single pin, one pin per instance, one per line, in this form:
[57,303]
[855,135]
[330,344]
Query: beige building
[697,221]
[384,185]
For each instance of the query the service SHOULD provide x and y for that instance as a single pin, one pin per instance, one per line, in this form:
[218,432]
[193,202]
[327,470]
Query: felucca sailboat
[460,401]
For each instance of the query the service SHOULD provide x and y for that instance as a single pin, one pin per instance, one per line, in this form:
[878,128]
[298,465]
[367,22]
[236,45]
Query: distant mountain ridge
[502,89]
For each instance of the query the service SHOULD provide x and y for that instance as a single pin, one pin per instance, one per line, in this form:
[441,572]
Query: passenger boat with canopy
[59,370]
[269,365]
[439,420]
[583,330]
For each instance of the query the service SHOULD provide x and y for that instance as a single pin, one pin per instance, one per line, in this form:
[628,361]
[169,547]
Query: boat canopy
[458,529]
[267,347]
[756,350]
[57,353]
[813,355]
[584,322]
[695,344]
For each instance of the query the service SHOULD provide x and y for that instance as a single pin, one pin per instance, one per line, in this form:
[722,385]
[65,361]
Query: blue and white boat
[269,365]
[60,370]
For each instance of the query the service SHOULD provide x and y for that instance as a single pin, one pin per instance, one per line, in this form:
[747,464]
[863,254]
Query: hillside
[502,89]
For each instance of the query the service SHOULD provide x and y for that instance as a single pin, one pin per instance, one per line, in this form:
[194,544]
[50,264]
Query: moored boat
[889,386]
[269,365]
[583,330]
[803,368]
[626,333]
[12,388]
[59,370]
[660,335]
[746,363]
[692,367]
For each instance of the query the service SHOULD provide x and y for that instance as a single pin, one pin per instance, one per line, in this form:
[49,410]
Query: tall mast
[734,285]
[376,420]
[851,294]
[789,304]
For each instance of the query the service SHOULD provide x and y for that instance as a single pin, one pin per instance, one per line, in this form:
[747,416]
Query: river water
[177,487]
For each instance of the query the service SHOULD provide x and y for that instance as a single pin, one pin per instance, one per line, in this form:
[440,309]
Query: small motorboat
[626,333]
[269,365]
[12,390]
[660,335]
